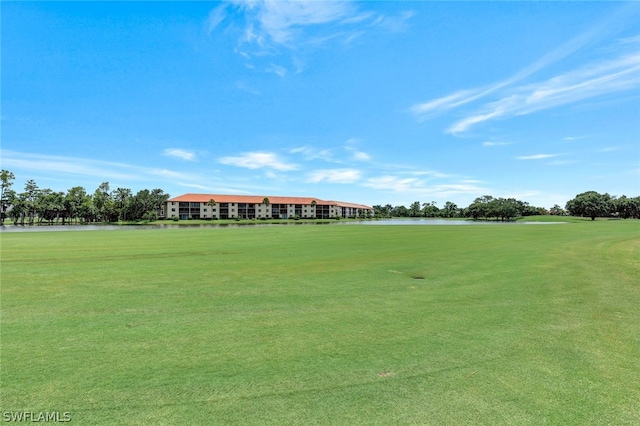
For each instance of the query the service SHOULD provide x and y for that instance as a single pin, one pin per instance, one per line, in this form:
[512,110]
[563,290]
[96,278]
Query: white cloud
[493,143]
[357,155]
[361,156]
[395,184]
[271,23]
[419,187]
[281,20]
[310,153]
[573,138]
[87,168]
[394,24]
[609,149]
[335,176]
[179,153]
[445,103]
[433,173]
[271,26]
[593,80]
[277,69]
[258,160]
[536,156]
[618,73]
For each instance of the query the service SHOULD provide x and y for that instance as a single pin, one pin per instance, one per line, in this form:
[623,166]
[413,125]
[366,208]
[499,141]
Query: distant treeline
[37,205]
[588,204]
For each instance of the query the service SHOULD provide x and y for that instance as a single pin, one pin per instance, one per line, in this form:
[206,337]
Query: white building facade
[224,206]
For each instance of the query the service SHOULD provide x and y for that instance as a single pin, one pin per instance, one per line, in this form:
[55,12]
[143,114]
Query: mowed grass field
[514,324]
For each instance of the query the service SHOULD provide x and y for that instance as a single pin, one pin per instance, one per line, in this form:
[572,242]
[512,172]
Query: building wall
[200,210]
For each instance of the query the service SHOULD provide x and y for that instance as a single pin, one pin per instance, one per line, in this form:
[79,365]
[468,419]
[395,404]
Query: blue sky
[369,102]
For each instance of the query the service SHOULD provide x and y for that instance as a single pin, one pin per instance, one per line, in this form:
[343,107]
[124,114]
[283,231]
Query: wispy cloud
[88,169]
[179,153]
[508,98]
[361,156]
[271,26]
[496,143]
[280,23]
[573,138]
[258,160]
[394,24]
[609,149]
[536,156]
[394,183]
[420,187]
[335,176]
[445,103]
[277,69]
[595,79]
[356,154]
[310,153]
[432,173]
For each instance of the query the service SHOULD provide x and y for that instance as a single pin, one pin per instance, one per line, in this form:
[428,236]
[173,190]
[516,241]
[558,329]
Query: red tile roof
[257,199]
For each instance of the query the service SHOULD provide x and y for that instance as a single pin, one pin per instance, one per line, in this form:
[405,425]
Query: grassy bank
[325,325]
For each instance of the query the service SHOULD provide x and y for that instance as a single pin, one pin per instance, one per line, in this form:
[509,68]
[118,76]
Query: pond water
[413,221]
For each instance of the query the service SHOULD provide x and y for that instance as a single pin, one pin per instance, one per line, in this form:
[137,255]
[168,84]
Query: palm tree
[211,203]
[266,202]
[121,196]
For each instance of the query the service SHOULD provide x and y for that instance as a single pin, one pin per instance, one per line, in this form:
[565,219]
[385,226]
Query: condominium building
[224,206]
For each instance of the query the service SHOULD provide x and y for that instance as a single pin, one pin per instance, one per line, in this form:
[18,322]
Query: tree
[430,209]
[401,211]
[414,209]
[121,195]
[6,194]
[556,210]
[31,192]
[158,201]
[211,203]
[627,207]
[72,201]
[50,205]
[590,204]
[481,207]
[450,209]
[103,203]
[267,203]
[506,208]
[18,209]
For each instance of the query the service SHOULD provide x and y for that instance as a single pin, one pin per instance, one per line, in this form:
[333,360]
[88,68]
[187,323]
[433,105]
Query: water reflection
[413,221]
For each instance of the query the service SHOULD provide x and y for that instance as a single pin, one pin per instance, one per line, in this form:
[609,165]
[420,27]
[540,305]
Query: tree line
[587,204]
[76,205]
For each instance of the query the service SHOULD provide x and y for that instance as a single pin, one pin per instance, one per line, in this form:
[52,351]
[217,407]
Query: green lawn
[513,324]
